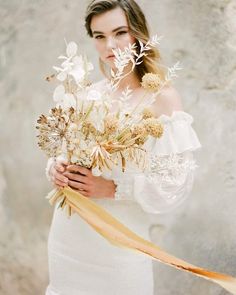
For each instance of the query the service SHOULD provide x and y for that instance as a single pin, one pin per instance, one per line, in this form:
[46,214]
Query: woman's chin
[110,63]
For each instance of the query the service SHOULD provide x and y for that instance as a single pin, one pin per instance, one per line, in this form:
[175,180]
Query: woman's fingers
[77,185]
[59,177]
[77,168]
[76,177]
[60,183]
[59,167]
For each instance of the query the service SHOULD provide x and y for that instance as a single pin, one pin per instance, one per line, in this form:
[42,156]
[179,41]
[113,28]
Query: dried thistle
[52,130]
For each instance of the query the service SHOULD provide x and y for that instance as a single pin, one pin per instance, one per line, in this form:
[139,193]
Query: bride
[81,262]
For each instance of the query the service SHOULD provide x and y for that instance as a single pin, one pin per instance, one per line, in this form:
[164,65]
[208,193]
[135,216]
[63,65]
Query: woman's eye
[122,33]
[99,37]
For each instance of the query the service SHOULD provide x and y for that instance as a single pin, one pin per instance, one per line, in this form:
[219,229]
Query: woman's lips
[111,56]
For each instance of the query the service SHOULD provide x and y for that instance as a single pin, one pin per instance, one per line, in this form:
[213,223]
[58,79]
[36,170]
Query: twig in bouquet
[129,54]
[88,111]
[150,43]
[123,132]
[126,119]
[122,60]
[82,107]
[86,67]
[123,162]
[139,156]
[149,102]
[172,71]
[101,156]
[126,94]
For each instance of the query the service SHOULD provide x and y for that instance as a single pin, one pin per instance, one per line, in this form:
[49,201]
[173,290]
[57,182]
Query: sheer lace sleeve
[169,174]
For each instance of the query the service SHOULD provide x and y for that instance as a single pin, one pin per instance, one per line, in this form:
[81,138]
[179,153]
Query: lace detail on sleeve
[170,169]
[124,188]
[166,183]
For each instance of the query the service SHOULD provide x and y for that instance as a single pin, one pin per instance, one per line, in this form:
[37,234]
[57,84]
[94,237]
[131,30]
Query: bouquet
[85,128]
[92,129]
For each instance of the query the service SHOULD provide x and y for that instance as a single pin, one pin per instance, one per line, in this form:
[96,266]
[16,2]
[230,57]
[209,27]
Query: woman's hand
[56,173]
[82,180]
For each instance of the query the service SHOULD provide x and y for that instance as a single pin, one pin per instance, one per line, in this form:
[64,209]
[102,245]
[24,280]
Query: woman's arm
[165,186]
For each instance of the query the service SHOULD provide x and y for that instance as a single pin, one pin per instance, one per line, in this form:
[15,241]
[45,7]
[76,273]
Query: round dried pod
[151,82]
[153,127]
[138,130]
[147,113]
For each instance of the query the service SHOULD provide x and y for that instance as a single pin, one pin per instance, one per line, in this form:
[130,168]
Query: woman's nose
[111,43]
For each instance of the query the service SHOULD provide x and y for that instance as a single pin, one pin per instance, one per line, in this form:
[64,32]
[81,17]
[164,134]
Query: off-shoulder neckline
[176,115]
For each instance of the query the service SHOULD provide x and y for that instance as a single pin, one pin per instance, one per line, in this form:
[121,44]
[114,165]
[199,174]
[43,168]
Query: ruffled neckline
[176,115]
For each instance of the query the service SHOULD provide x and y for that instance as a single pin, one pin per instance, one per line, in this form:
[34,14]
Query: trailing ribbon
[119,235]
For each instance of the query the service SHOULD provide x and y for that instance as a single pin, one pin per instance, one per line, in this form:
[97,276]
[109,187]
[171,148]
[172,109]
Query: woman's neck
[131,80]
[134,84]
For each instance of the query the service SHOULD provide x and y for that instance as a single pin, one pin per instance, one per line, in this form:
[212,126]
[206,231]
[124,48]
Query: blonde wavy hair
[138,27]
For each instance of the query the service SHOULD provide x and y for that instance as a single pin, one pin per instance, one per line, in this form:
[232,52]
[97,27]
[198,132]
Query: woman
[81,262]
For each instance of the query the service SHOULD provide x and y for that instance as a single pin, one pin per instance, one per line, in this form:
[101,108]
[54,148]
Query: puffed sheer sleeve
[169,174]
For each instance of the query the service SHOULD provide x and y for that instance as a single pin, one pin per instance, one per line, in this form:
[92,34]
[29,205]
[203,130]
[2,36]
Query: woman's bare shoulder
[167,101]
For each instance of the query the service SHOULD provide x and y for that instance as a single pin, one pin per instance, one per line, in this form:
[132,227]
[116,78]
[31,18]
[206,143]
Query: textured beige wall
[202,35]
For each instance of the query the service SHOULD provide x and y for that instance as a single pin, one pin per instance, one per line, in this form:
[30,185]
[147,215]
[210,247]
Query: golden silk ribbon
[119,235]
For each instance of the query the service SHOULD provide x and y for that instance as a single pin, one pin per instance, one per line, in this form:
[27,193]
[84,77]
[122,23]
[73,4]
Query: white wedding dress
[81,262]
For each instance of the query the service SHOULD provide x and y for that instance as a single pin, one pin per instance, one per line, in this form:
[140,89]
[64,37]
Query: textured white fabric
[81,262]
[48,167]
[178,136]
[169,173]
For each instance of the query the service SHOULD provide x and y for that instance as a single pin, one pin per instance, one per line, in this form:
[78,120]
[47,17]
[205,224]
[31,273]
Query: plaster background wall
[202,35]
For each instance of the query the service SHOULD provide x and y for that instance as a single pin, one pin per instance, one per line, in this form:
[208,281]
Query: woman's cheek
[99,48]
[125,42]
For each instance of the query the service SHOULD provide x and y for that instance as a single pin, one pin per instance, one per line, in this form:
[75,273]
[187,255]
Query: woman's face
[110,31]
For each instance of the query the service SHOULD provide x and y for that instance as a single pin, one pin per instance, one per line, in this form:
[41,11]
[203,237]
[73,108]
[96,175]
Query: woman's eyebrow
[117,29]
